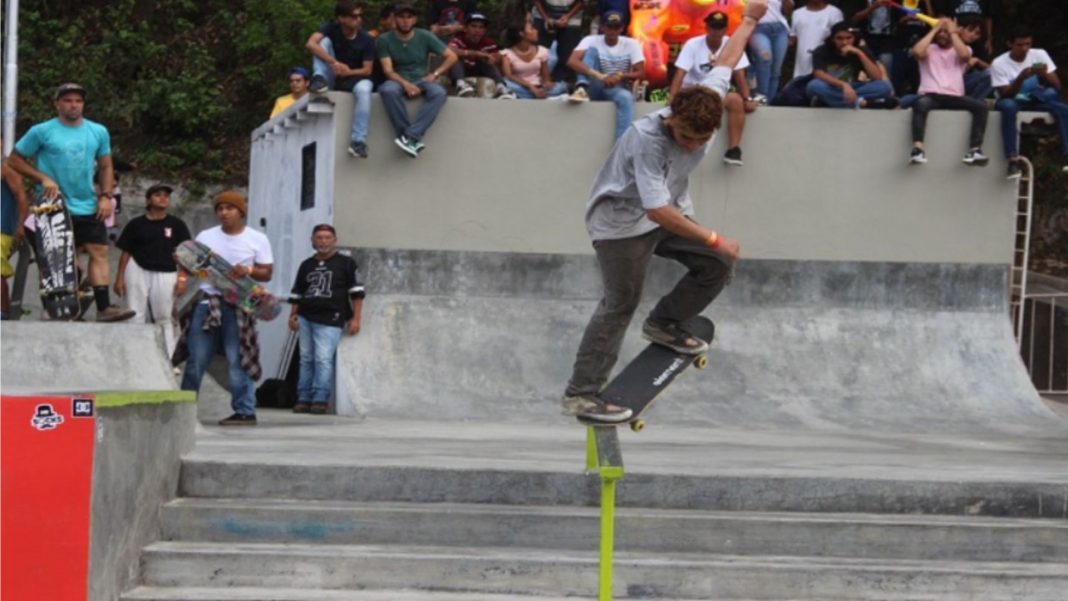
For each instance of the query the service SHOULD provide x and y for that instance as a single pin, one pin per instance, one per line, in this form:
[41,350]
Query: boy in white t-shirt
[249,252]
[1026,79]
[809,28]
[694,65]
[606,65]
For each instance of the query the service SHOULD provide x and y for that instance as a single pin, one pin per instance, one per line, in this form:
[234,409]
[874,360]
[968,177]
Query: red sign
[46,471]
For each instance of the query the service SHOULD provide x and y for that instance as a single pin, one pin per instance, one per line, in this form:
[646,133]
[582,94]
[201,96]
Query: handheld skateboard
[243,292]
[54,252]
[647,375]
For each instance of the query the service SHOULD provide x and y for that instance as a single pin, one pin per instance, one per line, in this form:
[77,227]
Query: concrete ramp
[801,344]
[44,357]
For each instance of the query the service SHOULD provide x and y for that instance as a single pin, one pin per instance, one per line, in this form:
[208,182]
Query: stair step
[149,593]
[646,530]
[553,572]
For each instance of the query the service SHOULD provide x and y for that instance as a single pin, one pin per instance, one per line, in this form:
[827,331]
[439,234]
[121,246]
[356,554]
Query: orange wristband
[713,240]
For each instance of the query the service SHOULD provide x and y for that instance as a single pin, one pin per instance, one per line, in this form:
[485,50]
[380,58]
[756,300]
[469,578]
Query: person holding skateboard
[216,323]
[68,150]
[640,206]
[326,300]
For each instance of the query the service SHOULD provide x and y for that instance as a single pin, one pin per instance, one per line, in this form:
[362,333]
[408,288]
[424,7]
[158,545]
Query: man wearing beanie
[215,322]
[147,282]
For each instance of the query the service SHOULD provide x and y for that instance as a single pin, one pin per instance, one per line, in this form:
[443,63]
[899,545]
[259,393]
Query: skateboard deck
[54,252]
[653,370]
[244,292]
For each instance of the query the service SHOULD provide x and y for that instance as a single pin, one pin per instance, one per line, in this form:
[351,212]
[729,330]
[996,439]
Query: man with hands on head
[640,206]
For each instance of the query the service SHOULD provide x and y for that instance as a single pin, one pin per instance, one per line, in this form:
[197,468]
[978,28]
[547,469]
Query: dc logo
[81,407]
[46,418]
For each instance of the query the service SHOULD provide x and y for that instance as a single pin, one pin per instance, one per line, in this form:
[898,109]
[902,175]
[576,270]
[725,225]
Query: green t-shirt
[410,56]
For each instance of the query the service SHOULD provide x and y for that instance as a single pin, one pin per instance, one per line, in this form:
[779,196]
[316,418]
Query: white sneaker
[464,89]
[503,93]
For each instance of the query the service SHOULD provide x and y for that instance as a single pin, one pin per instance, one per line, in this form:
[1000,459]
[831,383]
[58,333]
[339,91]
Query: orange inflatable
[663,26]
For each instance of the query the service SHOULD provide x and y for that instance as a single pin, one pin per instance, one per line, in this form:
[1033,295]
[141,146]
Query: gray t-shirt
[646,170]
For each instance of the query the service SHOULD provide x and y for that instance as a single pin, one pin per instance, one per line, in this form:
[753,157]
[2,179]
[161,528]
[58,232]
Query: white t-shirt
[1003,70]
[698,61]
[614,59]
[811,28]
[774,14]
[247,248]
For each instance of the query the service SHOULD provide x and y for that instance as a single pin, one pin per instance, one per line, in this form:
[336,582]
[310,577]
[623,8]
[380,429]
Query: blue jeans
[202,348]
[977,84]
[832,96]
[361,113]
[558,88]
[767,51]
[1042,99]
[318,343]
[620,94]
[395,101]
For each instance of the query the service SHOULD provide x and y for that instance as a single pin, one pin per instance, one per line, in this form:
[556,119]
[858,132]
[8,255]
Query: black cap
[67,88]
[716,19]
[404,7]
[612,18]
[840,27]
[156,188]
[476,17]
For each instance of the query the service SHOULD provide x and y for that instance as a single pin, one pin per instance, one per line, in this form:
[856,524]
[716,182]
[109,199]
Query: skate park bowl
[871,295]
[105,484]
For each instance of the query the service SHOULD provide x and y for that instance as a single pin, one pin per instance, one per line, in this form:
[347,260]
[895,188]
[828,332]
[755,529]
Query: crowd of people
[876,54]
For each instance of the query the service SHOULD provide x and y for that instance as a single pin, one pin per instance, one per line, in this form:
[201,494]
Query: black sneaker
[975,158]
[318,85]
[881,103]
[673,337]
[917,157]
[358,149]
[301,407]
[318,408]
[1015,170]
[733,156]
[238,420]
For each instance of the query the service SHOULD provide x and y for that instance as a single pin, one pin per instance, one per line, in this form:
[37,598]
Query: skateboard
[54,252]
[243,292]
[654,369]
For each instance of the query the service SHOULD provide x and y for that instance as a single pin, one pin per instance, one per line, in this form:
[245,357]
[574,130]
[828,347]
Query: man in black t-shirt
[327,298]
[836,69]
[343,58]
[148,281]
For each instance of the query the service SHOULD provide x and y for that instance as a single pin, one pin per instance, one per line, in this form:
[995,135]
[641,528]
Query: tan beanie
[232,197]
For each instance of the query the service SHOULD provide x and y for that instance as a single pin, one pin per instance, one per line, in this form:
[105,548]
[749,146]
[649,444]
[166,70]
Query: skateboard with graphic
[244,292]
[54,255]
[653,370]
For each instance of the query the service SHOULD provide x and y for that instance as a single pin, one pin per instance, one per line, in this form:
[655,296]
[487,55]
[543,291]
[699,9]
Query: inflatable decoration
[662,26]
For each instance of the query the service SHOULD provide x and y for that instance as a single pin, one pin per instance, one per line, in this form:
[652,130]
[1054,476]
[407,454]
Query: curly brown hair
[698,109]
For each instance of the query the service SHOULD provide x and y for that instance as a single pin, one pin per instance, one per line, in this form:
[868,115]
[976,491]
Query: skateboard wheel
[700,362]
[637,425]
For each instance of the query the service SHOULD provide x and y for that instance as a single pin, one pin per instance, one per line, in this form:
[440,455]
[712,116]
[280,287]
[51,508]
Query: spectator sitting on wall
[479,57]
[148,281]
[327,298]
[694,66]
[214,323]
[448,17]
[14,207]
[607,64]
[343,59]
[404,53]
[525,65]
[981,11]
[387,21]
[67,151]
[298,87]
[559,23]
[1026,79]
[977,79]
[811,24]
[837,67]
[943,58]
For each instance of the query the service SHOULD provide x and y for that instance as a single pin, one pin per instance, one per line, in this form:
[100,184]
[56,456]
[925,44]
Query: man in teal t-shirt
[403,53]
[66,152]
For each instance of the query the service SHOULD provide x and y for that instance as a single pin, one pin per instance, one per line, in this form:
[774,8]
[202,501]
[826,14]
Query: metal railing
[1044,343]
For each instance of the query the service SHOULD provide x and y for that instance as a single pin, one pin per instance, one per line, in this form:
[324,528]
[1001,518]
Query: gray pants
[624,264]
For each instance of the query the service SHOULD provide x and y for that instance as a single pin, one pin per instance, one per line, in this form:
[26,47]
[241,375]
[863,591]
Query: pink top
[942,72]
[528,71]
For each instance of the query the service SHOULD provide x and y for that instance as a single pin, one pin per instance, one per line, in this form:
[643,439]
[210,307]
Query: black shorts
[88,230]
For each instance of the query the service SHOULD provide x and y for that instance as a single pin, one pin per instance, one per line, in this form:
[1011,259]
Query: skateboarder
[67,151]
[327,299]
[214,322]
[640,206]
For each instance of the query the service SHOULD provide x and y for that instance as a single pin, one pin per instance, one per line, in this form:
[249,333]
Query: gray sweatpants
[624,264]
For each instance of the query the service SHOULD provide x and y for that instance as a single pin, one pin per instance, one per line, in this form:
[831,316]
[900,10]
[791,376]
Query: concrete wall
[140,440]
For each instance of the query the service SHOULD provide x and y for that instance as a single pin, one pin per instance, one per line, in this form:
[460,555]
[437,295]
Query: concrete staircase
[325,531]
